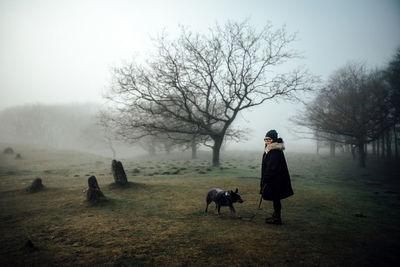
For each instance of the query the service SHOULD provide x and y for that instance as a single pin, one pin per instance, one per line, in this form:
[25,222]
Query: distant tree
[150,144]
[152,139]
[54,125]
[187,141]
[352,108]
[121,127]
[71,126]
[198,84]
[392,75]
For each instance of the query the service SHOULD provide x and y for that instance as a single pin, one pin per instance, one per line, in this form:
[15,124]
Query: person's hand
[262,188]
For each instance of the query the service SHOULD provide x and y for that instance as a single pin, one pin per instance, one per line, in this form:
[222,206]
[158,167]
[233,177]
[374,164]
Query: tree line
[359,109]
[72,126]
[65,126]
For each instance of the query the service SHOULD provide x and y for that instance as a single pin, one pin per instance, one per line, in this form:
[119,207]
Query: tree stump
[93,193]
[8,151]
[119,173]
[35,186]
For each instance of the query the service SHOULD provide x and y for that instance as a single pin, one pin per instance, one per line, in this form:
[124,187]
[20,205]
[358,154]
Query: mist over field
[77,127]
[65,126]
[121,120]
[62,53]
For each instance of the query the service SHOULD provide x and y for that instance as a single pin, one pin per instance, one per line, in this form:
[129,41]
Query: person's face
[267,140]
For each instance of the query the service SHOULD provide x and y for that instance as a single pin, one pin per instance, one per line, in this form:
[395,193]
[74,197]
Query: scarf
[272,146]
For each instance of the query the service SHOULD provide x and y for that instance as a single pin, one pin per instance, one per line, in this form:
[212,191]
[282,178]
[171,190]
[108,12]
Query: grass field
[340,215]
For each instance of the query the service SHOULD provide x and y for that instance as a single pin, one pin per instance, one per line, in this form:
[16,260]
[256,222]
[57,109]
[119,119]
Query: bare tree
[134,128]
[392,74]
[187,141]
[198,84]
[351,109]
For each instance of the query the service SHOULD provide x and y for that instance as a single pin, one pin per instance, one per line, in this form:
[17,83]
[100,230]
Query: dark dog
[223,198]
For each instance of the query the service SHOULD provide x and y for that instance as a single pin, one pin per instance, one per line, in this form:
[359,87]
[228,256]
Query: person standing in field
[275,179]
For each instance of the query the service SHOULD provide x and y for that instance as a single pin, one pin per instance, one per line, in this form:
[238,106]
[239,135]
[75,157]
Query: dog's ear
[236,191]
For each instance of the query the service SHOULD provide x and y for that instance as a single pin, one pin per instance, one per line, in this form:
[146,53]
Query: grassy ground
[339,216]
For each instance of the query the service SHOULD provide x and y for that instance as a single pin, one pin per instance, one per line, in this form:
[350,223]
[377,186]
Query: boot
[275,219]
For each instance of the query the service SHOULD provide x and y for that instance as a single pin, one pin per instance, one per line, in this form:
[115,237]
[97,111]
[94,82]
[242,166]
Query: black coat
[275,178]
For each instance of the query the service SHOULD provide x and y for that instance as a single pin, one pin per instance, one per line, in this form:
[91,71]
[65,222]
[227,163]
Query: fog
[59,53]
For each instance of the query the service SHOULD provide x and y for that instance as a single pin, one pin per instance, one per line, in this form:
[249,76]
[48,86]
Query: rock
[18,156]
[93,194]
[30,247]
[35,186]
[8,151]
[29,244]
[119,173]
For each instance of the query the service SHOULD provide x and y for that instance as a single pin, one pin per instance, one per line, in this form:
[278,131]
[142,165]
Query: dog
[223,198]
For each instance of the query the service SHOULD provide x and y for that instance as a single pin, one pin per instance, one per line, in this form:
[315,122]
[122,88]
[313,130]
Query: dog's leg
[218,209]
[233,211]
[208,201]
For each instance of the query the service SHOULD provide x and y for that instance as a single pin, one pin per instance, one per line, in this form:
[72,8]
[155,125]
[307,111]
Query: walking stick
[254,215]
[259,205]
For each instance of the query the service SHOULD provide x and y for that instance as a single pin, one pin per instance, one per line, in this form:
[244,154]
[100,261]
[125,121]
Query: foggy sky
[62,51]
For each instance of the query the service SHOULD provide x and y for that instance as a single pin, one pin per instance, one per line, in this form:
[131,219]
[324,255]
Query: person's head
[271,137]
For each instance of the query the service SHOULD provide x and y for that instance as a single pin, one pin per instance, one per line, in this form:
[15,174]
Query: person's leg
[277,208]
[276,216]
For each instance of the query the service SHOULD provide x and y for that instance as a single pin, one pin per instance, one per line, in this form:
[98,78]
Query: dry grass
[160,220]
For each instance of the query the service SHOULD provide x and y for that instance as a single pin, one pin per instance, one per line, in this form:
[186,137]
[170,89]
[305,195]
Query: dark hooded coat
[275,179]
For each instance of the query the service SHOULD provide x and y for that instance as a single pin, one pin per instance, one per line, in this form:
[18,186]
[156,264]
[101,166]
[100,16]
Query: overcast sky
[62,51]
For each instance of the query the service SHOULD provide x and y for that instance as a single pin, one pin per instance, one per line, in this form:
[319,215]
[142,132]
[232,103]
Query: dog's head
[235,197]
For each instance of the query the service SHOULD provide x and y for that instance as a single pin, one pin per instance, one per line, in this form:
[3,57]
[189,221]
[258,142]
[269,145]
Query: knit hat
[272,134]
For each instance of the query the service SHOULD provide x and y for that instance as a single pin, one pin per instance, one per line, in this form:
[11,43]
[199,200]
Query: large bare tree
[198,83]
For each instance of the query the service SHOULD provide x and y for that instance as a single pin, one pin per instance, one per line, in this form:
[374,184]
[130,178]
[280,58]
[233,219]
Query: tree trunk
[317,147]
[348,148]
[388,146]
[353,152]
[383,147]
[362,156]
[332,148]
[374,148]
[378,148]
[396,143]
[216,149]
[194,150]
